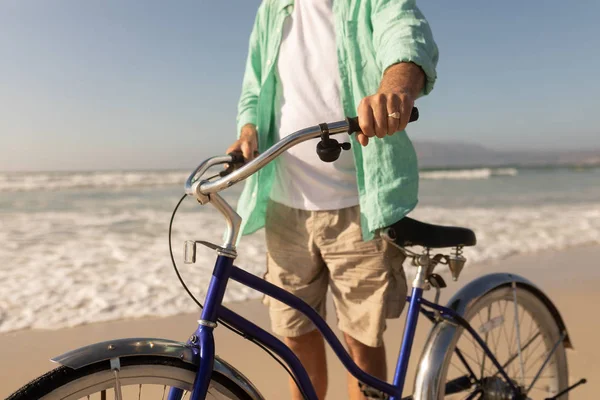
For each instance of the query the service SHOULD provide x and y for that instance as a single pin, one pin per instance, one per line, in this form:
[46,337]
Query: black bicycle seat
[410,232]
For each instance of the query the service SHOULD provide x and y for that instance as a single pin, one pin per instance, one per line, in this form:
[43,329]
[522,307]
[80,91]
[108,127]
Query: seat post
[423,264]
[421,278]
[410,327]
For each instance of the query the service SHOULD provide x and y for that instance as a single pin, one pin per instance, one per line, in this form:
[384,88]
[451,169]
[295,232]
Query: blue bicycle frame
[204,347]
[202,341]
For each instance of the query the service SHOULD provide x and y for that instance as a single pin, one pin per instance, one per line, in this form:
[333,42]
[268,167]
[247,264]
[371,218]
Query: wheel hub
[496,389]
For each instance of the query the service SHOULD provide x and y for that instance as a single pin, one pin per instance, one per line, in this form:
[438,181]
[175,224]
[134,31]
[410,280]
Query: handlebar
[353,125]
[201,189]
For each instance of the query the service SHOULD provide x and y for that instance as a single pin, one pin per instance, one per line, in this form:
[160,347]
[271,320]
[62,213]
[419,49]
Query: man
[313,61]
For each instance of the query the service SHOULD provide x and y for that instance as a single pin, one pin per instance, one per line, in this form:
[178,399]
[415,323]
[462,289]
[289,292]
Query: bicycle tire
[548,329]
[67,383]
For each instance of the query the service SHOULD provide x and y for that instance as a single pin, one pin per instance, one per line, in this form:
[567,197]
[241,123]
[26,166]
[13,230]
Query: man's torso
[386,169]
[308,93]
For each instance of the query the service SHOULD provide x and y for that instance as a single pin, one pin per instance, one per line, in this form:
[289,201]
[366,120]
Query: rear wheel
[144,377]
[521,345]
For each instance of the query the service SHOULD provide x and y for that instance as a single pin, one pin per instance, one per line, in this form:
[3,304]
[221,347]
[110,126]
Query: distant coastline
[452,155]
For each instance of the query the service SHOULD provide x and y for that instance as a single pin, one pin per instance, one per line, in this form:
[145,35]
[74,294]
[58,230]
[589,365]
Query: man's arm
[408,55]
[247,141]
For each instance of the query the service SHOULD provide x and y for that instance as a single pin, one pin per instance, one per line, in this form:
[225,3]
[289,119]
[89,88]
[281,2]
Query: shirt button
[268,62]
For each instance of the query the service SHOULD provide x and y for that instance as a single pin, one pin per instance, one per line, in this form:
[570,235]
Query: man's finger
[233,147]
[365,119]
[393,106]
[380,114]
[362,139]
[247,151]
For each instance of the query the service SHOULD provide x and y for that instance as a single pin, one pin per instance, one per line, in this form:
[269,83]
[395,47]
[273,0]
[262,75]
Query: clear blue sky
[153,84]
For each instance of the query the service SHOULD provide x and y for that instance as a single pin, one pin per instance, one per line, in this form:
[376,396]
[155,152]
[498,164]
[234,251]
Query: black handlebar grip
[353,125]
[237,157]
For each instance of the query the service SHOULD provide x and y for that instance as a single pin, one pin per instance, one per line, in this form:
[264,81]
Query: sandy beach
[570,277]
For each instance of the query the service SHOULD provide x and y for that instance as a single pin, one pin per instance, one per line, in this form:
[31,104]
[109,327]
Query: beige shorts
[311,251]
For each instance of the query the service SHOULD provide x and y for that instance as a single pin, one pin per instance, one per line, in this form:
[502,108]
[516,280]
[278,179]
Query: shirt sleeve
[402,34]
[248,103]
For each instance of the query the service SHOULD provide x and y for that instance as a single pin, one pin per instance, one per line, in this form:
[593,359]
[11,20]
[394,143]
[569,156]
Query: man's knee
[358,348]
[307,339]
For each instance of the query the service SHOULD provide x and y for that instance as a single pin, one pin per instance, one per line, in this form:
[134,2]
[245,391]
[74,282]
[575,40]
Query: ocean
[82,247]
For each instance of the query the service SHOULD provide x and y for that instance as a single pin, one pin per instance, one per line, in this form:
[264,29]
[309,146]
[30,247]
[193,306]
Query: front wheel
[141,377]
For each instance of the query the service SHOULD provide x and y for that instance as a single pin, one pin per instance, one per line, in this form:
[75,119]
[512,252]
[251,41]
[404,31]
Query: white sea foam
[67,268]
[27,182]
[467,174]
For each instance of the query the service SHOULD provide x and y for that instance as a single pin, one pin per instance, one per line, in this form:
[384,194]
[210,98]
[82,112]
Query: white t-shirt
[308,93]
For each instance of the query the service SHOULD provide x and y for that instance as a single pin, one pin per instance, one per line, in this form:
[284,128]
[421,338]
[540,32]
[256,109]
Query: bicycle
[457,358]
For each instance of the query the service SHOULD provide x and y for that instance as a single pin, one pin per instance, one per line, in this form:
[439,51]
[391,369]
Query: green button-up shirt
[371,35]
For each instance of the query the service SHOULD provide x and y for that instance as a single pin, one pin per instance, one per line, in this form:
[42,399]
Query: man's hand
[400,86]
[247,143]
[374,114]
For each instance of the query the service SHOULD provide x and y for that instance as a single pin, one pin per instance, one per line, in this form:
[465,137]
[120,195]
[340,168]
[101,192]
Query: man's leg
[369,359]
[368,286]
[294,263]
[310,349]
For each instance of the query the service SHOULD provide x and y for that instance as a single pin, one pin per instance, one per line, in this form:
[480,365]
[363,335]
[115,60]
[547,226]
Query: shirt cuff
[425,63]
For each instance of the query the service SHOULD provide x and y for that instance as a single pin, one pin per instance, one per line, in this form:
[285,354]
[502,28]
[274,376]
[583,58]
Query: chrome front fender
[430,371]
[150,347]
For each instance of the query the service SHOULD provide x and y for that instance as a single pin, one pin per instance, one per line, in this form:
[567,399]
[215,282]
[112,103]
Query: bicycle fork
[203,340]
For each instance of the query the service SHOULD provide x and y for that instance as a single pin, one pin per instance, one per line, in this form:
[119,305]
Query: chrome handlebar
[194,186]
[207,191]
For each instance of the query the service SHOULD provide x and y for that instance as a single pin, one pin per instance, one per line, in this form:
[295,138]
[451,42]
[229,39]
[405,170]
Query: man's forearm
[388,110]
[248,129]
[404,77]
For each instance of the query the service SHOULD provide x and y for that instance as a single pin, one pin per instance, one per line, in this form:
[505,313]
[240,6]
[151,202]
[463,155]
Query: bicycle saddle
[410,232]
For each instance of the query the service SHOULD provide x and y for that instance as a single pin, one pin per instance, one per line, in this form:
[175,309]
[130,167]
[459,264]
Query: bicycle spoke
[476,361]
[546,360]
[508,343]
[164,390]
[476,347]
[496,341]
[514,356]
[486,338]
[542,389]
[542,377]
[537,346]
[466,364]
[472,395]
[461,370]
[527,352]
[512,335]
[518,329]
[140,392]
